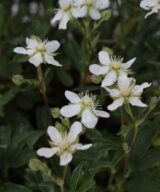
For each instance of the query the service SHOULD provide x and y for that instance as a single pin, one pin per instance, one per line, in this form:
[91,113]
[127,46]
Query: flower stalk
[43,90]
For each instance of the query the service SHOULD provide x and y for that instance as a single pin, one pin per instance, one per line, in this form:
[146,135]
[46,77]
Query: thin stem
[63,178]
[43,89]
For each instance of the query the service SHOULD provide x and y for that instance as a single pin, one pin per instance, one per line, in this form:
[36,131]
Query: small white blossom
[111,68]
[93,7]
[150,5]
[68,9]
[85,106]
[40,51]
[127,92]
[63,144]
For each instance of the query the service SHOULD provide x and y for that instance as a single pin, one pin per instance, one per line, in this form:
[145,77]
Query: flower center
[67,7]
[89,3]
[41,47]
[115,65]
[64,146]
[126,93]
[87,102]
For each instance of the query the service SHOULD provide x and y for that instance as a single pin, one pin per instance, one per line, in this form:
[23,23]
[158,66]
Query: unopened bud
[37,165]
[106,15]
[18,80]
[153,102]
[55,112]
[96,79]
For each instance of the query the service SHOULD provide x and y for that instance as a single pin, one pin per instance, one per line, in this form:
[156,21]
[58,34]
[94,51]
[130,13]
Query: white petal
[124,83]
[70,110]
[31,43]
[65,158]
[36,59]
[52,46]
[47,152]
[128,64]
[98,70]
[104,58]
[21,50]
[95,14]
[75,12]
[113,92]
[109,79]
[117,103]
[83,147]
[148,4]
[138,89]
[54,134]
[72,97]
[102,4]
[63,22]
[50,60]
[57,17]
[136,102]
[75,130]
[101,113]
[89,119]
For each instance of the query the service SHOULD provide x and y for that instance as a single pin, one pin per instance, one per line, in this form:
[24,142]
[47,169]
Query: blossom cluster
[71,9]
[114,73]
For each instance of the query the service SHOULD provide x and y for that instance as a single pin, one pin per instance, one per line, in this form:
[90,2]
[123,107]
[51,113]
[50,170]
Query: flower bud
[55,112]
[18,80]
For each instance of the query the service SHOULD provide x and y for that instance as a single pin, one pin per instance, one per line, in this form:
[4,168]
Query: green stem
[43,89]
[63,178]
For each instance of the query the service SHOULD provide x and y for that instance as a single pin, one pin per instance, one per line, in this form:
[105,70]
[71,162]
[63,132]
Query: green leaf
[8,96]
[77,173]
[86,186]
[10,187]
[99,166]
[143,185]
[150,159]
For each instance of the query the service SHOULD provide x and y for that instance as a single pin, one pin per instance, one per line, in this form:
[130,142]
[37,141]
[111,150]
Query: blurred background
[22,117]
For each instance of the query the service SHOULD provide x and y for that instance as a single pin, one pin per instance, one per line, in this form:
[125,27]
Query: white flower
[111,68]
[152,5]
[40,51]
[127,92]
[63,144]
[93,7]
[85,106]
[68,9]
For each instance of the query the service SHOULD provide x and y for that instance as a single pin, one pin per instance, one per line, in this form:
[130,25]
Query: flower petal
[20,50]
[113,92]
[89,119]
[101,113]
[52,46]
[31,43]
[50,60]
[72,97]
[63,22]
[36,59]
[75,130]
[98,70]
[47,152]
[136,102]
[95,14]
[104,58]
[70,110]
[57,17]
[138,89]
[117,103]
[102,4]
[54,134]
[83,147]
[128,64]
[109,79]
[65,158]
